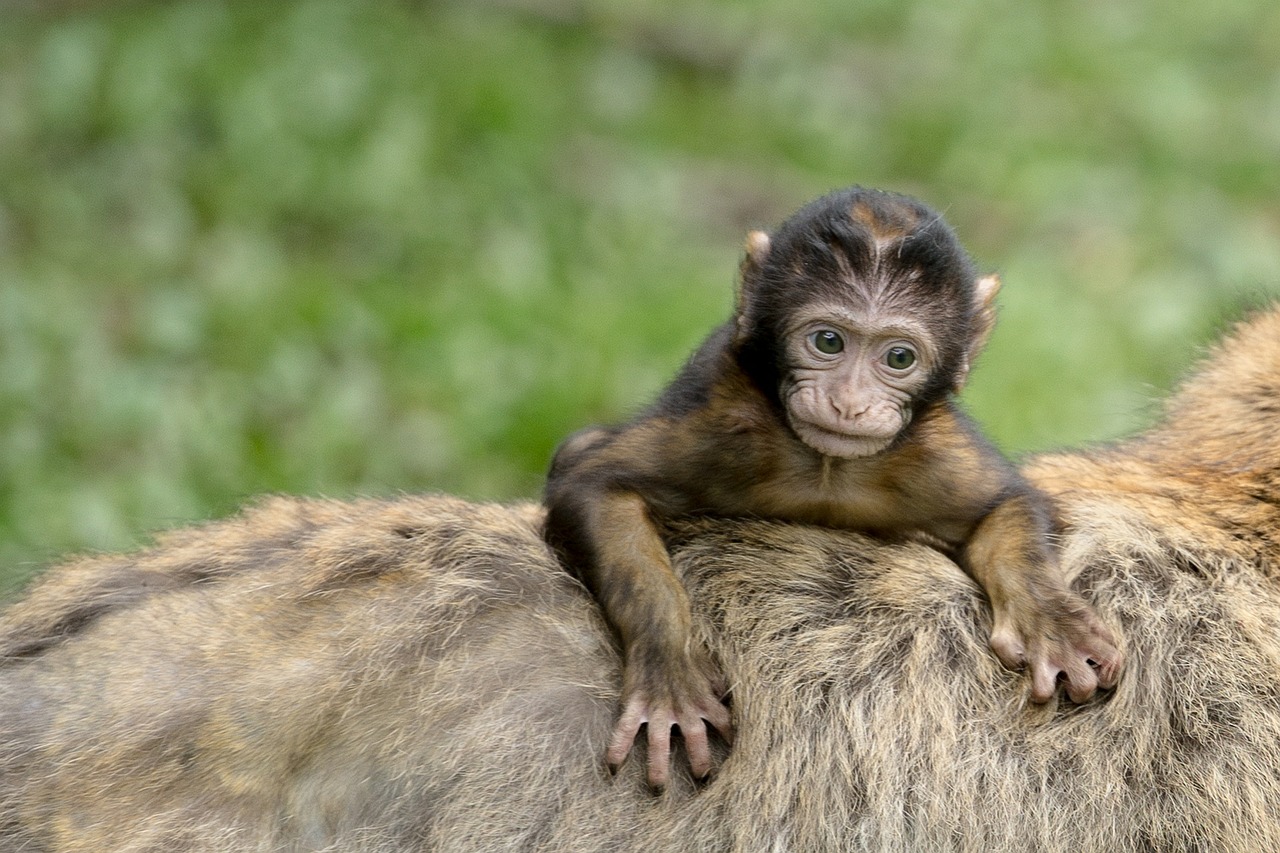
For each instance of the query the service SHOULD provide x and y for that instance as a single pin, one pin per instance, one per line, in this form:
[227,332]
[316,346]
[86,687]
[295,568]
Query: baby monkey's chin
[840,445]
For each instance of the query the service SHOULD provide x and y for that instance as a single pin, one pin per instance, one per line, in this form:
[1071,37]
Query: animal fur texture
[419,675]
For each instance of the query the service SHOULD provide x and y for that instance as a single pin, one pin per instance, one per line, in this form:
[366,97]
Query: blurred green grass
[360,247]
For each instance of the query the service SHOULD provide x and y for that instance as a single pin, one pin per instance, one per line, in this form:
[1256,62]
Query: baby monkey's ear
[757,250]
[984,320]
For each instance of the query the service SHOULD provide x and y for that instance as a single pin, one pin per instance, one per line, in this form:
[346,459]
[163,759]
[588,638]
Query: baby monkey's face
[851,376]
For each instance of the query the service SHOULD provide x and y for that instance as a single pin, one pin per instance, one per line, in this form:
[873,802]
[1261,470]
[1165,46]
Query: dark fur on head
[859,244]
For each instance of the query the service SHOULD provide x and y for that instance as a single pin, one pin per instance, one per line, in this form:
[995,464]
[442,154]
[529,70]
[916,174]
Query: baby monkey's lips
[844,445]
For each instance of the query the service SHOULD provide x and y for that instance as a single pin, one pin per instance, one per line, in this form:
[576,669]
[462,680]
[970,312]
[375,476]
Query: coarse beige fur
[419,674]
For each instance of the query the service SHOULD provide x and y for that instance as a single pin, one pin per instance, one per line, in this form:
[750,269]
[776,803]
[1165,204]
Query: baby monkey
[827,400]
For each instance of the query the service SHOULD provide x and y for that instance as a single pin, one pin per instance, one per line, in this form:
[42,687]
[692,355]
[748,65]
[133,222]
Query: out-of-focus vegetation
[361,246]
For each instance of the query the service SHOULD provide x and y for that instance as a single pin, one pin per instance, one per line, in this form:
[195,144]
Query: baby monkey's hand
[1057,637]
[659,692]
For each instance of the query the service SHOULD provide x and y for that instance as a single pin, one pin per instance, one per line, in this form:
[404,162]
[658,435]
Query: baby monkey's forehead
[868,323]
[883,288]
[858,262]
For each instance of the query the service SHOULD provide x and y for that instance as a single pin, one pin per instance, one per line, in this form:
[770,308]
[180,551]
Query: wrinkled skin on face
[851,378]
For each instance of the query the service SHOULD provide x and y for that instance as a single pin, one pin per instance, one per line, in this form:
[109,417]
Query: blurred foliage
[361,246]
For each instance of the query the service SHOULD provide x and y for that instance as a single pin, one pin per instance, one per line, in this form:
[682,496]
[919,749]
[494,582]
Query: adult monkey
[419,674]
[825,400]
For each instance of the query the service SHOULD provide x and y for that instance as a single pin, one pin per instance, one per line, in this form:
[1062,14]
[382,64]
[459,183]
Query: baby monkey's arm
[1000,530]
[605,531]
[1040,623]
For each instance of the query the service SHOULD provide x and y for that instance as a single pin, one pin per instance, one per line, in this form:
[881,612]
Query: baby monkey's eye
[899,358]
[827,342]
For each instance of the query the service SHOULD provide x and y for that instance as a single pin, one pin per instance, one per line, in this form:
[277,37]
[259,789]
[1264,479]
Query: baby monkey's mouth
[838,443]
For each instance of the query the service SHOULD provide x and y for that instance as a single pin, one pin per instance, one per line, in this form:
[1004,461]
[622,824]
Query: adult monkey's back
[419,675]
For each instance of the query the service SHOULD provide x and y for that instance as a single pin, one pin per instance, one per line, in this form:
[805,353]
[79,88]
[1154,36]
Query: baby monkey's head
[858,313]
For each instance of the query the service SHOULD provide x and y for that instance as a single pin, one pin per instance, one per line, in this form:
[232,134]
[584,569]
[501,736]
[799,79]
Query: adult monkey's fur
[418,674]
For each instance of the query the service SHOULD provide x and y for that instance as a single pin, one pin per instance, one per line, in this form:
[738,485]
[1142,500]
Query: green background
[350,248]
